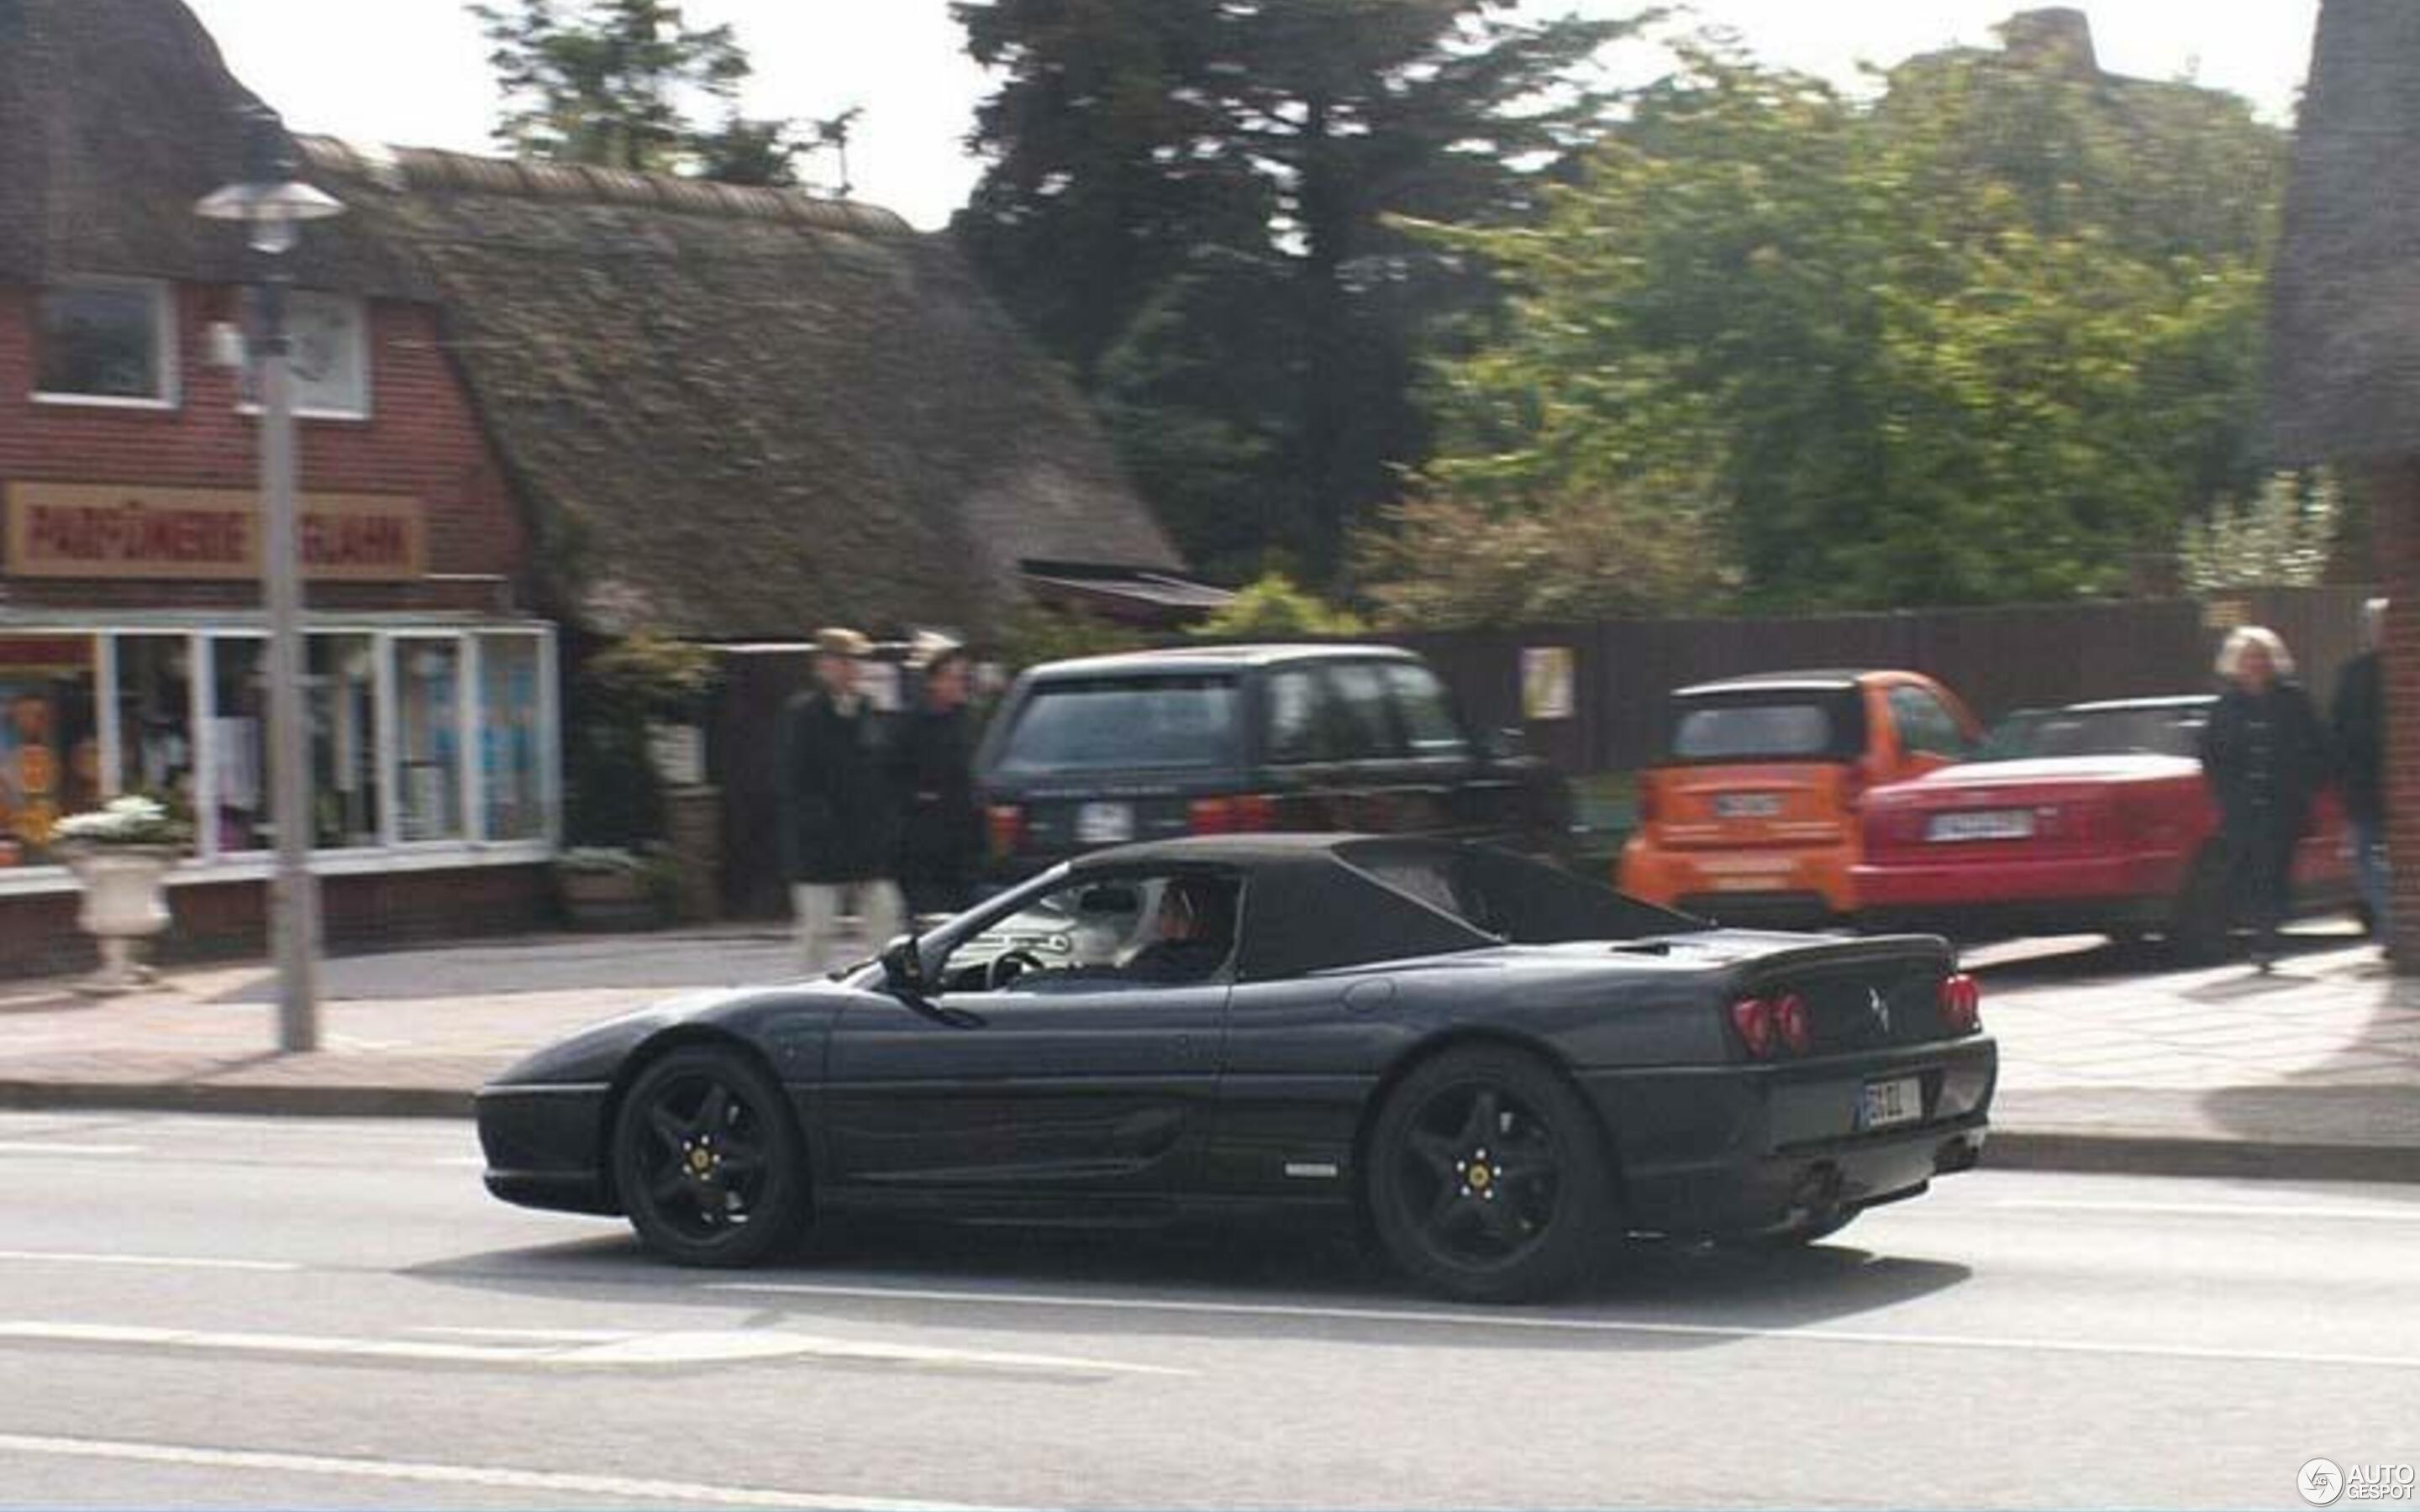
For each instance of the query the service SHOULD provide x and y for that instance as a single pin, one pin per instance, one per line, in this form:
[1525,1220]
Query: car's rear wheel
[1488,1179]
[708,1160]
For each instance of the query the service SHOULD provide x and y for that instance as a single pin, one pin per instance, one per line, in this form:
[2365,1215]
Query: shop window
[428,773]
[107,340]
[343,693]
[155,717]
[328,336]
[50,748]
[510,749]
[237,807]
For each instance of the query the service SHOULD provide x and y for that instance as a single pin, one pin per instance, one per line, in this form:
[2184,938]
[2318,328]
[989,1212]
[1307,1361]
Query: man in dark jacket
[2266,756]
[837,825]
[940,837]
[2361,734]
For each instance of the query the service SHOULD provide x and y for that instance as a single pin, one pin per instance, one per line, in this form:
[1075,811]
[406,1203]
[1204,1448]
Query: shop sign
[73,529]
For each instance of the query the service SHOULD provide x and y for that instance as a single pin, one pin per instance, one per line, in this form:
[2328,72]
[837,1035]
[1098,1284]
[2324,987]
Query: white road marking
[538,1349]
[2382,1213]
[174,1262]
[43,1147]
[1582,1325]
[552,1335]
[614,1487]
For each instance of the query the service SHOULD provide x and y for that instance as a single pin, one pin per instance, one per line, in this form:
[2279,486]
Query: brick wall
[2396,515]
[228,920]
[422,440]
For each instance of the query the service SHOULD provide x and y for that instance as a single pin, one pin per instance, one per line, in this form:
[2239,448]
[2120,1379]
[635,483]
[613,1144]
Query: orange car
[1751,816]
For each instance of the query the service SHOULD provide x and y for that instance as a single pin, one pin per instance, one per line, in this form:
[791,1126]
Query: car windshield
[2137,731]
[1095,724]
[1816,726]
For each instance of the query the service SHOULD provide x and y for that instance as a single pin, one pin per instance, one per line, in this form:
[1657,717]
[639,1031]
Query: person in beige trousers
[840,820]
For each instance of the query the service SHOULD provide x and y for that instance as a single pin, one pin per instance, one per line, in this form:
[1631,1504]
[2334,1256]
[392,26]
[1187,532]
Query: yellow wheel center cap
[1480,1175]
[699,1161]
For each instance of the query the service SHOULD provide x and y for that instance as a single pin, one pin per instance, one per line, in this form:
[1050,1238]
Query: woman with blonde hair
[2266,756]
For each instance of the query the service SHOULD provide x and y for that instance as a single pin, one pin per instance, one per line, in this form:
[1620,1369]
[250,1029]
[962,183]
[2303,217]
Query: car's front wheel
[1488,1178]
[708,1160]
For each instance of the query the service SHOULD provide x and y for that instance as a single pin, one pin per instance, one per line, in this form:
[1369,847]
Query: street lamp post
[272,206]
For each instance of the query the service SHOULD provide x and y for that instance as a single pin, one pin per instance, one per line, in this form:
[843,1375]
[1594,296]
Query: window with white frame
[328,357]
[417,737]
[105,341]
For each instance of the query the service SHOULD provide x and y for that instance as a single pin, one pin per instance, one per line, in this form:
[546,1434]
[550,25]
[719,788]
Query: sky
[415,73]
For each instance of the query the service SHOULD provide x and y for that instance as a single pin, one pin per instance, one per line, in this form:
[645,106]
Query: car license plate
[1900,1100]
[1986,823]
[1747,806]
[1104,823]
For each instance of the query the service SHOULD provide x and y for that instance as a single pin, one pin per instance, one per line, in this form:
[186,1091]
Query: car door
[1056,1086]
[1930,735]
[1461,793]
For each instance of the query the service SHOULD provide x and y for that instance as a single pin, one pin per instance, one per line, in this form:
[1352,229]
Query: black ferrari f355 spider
[1501,1070]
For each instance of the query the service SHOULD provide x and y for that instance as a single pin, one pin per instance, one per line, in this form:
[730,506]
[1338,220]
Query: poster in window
[1546,682]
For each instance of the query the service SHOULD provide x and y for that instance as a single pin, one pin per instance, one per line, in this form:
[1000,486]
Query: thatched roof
[741,412]
[2345,312]
[116,117]
[731,413]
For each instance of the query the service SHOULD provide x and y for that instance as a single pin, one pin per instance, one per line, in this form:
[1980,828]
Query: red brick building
[534,399]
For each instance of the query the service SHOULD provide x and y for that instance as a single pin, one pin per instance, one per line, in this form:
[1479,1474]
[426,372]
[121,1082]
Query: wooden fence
[1996,659]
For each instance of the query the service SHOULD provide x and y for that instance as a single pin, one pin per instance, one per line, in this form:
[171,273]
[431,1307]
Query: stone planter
[125,902]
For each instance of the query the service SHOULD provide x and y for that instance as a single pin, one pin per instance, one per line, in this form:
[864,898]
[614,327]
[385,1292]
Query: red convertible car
[2090,818]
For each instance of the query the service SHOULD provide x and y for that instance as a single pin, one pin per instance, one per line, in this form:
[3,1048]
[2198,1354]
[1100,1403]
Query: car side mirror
[902,967]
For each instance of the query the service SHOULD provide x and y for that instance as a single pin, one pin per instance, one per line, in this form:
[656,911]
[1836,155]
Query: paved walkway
[2107,1060]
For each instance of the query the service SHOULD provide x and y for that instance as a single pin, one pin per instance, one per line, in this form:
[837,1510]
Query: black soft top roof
[1315,903]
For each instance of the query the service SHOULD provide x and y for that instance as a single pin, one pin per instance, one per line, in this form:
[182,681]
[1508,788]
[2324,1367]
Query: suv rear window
[1100,724]
[1768,727]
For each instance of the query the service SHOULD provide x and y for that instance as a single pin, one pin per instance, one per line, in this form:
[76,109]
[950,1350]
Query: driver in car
[1193,933]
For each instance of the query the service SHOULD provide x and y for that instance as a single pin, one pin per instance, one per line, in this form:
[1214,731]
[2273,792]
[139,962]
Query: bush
[1273,607]
[612,796]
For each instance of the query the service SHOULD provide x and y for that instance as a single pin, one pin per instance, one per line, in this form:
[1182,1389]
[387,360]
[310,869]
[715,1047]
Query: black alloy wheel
[708,1160]
[1489,1180]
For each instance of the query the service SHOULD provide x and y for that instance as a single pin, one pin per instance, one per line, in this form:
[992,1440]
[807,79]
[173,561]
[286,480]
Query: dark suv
[1225,739]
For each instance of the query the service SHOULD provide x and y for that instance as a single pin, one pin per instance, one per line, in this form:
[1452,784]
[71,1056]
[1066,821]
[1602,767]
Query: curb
[2021,1150]
[237,1100]
[2005,1148]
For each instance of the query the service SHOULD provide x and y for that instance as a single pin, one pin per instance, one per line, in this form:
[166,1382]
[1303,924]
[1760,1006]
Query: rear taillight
[1247,814]
[1005,823]
[1753,1018]
[1770,1027]
[1791,1024]
[1962,1003]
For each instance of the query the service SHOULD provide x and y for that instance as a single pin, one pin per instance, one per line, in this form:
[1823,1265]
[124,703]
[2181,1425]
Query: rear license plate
[1747,806]
[1987,824]
[1900,1100]
[1104,823]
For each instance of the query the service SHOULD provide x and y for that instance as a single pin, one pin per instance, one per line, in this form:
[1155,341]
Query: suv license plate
[1900,1100]
[1104,823]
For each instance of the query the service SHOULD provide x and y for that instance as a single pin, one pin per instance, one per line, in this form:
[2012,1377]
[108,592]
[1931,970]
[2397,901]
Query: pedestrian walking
[2265,754]
[933,770]
[2359,713]
[839,829]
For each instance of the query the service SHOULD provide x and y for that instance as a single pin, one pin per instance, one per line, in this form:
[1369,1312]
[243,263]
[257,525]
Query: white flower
[132,820]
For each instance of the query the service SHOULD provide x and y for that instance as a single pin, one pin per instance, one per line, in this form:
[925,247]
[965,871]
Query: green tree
[1191,202]
[618,84]
[1963,345]
[1275,607]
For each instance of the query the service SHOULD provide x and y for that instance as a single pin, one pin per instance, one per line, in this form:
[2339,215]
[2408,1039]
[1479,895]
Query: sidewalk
[2106,1063]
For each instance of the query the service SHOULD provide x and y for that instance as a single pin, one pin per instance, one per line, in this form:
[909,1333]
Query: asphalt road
[246,1313]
